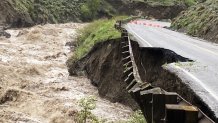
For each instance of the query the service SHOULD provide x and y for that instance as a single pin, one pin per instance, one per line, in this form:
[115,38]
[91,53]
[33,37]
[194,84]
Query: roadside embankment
[103,66]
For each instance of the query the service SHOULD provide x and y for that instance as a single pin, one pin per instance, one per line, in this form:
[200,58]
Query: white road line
[196,79]
[149,45]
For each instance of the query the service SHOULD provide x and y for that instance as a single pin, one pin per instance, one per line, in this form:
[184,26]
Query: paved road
[202,75]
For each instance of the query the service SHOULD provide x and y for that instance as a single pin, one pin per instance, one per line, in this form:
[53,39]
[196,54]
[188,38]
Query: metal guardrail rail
[157,105]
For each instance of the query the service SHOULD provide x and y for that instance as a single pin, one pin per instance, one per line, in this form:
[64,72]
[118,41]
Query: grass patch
[97,31]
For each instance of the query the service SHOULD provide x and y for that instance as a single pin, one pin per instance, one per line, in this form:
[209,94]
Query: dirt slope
[35,86]
[103,66]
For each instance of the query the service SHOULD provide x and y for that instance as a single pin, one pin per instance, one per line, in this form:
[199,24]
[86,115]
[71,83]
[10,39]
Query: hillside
[21,13]
[29,12]
[200,20]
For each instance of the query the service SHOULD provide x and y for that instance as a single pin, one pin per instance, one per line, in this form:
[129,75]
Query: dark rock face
[3,33]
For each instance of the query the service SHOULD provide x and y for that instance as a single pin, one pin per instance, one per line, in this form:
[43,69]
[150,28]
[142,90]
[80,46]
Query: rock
[4,33]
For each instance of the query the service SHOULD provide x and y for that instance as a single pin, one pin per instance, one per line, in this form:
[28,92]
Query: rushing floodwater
[34,77]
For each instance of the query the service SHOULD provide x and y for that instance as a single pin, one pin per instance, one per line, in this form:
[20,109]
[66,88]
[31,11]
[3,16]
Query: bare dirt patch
[35,85]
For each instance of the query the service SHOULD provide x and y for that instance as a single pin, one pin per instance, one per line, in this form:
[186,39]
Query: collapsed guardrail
[157,105]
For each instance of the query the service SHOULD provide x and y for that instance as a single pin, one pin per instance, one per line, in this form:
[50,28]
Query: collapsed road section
[157,105]
[118,65]
[200,76]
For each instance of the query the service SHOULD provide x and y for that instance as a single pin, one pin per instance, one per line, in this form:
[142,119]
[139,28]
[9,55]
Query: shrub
[85,115]
[137,117]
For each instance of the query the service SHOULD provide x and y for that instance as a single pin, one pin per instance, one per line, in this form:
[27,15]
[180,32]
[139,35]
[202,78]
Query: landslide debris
[200,20]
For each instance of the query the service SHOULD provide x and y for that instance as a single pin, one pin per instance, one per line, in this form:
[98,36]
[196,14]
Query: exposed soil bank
[103,66]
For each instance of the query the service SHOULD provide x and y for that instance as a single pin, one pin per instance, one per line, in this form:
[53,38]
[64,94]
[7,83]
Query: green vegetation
[85,115]
[200,20]
[137,117]
[48,10]
[89,103]
[97,31]
[59,11]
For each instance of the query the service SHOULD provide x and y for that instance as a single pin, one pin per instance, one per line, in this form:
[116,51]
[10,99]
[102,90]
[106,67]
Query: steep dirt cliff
[103,66]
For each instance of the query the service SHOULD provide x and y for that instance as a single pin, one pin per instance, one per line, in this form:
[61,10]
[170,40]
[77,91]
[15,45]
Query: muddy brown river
[34,83]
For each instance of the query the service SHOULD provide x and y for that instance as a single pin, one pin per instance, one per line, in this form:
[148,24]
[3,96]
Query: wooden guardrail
[157,105]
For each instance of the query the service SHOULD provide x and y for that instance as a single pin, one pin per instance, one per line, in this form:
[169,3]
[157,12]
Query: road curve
[201,75]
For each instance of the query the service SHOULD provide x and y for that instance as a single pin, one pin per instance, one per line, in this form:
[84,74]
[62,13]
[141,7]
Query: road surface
[201,75]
